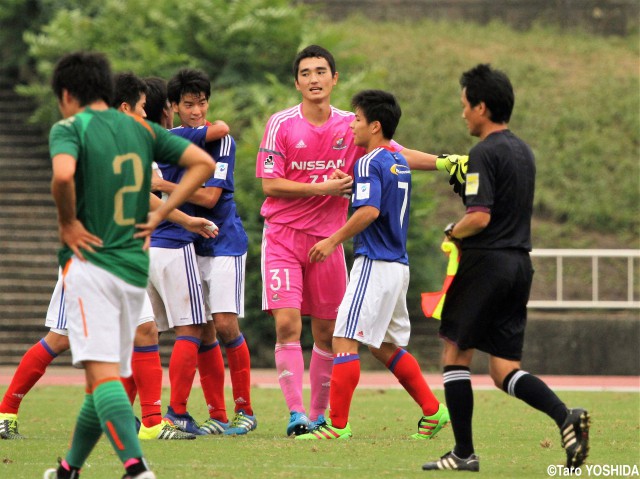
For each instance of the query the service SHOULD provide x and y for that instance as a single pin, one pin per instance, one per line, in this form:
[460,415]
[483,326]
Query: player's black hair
[127,88]
[85,75]
[156,98]
[188,80]
[381,106]
[491,86]
[314,51]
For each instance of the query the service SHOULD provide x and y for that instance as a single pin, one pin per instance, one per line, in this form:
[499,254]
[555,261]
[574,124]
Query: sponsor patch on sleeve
[362,191]
[268,164]
[473,184]
[221,171]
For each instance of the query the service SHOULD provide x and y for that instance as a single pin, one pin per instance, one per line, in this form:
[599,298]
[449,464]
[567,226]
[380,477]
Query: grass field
[512,440]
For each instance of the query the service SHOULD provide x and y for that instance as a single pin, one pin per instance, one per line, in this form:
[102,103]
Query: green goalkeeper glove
[455,165]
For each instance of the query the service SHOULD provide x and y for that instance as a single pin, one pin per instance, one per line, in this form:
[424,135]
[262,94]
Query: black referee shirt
[501,177]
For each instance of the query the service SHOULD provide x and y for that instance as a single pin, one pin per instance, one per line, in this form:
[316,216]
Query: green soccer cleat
[165,430]
[9,426]
[429,426]
[326,431]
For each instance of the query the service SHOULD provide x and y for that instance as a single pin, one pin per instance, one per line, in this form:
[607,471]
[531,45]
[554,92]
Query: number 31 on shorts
[276,279]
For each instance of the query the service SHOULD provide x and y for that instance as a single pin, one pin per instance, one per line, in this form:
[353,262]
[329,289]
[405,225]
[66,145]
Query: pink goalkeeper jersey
[294,149]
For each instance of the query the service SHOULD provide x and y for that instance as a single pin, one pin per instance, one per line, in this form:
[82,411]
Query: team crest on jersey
[362,191]
[221,171]
[268,164]
[339,144]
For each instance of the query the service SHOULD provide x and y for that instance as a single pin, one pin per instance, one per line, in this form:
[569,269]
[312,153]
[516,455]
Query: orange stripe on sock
[105,380]
[84,319]
[114,435]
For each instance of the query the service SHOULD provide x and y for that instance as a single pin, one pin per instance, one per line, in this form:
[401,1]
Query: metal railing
[631,302]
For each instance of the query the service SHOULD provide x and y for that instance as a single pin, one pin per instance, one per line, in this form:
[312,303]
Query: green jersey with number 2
[113,153]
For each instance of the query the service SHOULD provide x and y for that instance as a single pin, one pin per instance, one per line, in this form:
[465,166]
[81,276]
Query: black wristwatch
[448,232]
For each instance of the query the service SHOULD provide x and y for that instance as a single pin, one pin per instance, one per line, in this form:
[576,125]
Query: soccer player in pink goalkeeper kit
[305,161]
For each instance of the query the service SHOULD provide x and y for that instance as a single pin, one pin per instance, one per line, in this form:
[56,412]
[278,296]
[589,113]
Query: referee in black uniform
[486,305]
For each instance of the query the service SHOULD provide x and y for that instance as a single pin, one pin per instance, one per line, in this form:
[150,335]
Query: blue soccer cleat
[316,424]
[241,424]
[298,424]
[213,427]
[184,422]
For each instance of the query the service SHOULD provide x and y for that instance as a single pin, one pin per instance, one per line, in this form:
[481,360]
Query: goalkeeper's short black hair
[314,51]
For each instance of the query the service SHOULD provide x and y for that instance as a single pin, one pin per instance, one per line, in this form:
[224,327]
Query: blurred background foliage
[577,103]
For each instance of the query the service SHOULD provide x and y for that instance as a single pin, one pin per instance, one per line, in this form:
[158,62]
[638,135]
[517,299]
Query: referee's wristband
[448,232]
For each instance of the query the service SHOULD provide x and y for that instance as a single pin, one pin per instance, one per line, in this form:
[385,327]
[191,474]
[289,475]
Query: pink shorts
[290,281]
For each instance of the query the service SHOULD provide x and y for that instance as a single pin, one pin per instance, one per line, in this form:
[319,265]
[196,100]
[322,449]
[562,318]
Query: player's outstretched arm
[455,165]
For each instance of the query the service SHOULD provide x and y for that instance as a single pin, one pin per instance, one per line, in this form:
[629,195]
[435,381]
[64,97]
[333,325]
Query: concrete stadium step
[29,162]
[35,238]
[23,298]
[38,183]
[16,323]
[29,271]
[46,219]
[25,137]
[34,175]
[25,285]
[16,210]
[10,155]
[45,258]
[30,251]
[32,198]
[16,315]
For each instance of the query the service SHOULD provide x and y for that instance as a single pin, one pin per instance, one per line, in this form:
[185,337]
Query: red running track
[267,378]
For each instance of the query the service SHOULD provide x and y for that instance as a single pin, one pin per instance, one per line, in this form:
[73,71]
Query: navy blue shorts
[486,305]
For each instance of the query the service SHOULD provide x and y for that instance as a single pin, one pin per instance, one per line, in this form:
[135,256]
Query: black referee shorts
[486,305]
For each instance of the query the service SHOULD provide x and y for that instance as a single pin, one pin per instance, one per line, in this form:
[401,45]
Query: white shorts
[102,314]
[175,288]
[374,308]
[223,283]
[57,319]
